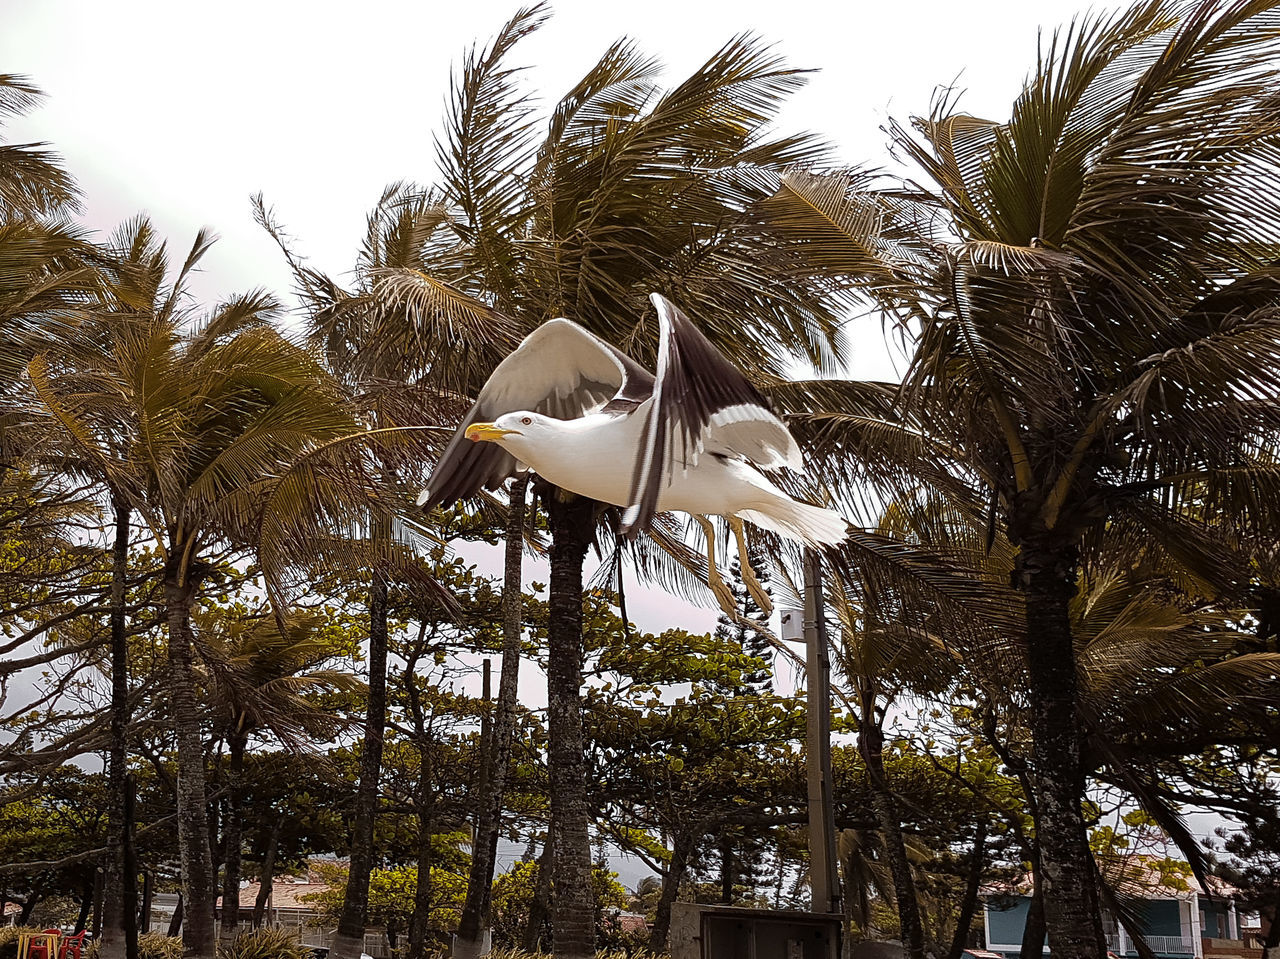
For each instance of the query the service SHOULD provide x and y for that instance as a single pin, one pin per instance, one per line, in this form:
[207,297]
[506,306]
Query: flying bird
[587,418]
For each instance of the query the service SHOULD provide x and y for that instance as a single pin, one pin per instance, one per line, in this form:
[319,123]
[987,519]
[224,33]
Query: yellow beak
[486,431]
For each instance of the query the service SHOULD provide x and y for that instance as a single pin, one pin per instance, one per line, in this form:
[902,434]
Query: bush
[156,945]
[265,943]
[9,940]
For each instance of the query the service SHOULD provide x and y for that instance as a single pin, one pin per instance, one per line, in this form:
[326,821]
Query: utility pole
[824,880]
[486,732]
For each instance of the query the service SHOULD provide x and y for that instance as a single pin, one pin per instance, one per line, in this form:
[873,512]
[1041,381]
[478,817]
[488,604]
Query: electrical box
[792,630]
[731,932]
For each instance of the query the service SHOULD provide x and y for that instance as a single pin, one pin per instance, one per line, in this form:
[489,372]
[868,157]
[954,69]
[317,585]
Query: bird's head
[511,431]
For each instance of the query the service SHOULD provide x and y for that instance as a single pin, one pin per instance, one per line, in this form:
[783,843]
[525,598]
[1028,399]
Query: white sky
[185,109]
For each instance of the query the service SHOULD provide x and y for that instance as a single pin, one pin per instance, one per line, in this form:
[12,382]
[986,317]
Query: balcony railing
[1160,945]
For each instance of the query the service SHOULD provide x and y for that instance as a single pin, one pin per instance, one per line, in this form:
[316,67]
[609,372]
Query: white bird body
[588,419]
[594,456]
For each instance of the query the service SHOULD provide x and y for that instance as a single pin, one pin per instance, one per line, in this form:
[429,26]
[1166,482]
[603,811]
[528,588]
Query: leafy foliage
[264,944]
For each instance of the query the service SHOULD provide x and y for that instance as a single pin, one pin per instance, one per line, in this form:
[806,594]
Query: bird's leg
[724,595]
[754,586]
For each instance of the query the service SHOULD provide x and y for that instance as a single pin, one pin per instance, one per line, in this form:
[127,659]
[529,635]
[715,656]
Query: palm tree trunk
[86,902]
[1271,941]
[726,869]
[130,843]
[969,906]
[29,904]
[348,942]
[198,940]
[114,942]
[420,923]
[475,910]
[1071,908]
[541,896]
[573,908]
[904,889]
[681,849]
[871,745]
[1032,946]
[175,921]
[267,875]
[234,829]
[144,907]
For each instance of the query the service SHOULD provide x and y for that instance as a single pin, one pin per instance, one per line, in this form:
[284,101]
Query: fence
[315,934]
[1160,945]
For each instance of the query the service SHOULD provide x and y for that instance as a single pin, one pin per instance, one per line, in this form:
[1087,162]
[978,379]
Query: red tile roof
[284,895]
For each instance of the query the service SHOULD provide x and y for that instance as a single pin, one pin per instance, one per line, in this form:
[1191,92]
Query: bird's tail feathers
[814,525]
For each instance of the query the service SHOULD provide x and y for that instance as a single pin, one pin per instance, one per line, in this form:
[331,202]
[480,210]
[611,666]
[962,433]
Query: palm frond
[487,147]
[33,182]
[838,225]
[437,322]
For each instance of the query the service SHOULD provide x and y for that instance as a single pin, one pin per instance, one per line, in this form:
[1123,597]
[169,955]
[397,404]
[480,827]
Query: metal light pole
[824,880]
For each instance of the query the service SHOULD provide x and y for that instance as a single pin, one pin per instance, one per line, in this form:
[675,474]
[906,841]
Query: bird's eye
[526,420]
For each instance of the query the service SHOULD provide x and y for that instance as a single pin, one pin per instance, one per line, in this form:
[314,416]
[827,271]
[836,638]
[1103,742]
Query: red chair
[70,947]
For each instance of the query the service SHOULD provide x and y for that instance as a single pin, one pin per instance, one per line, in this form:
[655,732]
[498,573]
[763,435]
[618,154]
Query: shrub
[9,940]
[156,945]
[265,943]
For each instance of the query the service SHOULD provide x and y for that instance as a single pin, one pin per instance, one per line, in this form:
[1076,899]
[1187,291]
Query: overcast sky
[185,109]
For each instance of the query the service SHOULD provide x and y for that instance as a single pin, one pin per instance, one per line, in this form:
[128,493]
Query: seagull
[587,418]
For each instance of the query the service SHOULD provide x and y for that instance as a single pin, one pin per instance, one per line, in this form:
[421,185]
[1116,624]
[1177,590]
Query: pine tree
[751,641]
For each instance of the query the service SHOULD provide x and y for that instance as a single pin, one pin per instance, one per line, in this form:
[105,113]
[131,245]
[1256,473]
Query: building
[1176,922]
[287,908]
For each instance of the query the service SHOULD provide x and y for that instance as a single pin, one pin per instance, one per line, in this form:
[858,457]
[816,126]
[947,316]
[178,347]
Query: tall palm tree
[1163,668]
[261,676]
[879,657]
[50,273]
[208,413]
[98,280]
[628,189]
[400,364]
[1091,288]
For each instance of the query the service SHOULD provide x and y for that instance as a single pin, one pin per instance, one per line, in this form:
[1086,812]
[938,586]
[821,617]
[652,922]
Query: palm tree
[207,412]
[1091,288]
[48,269]
[47,266]
[261,675]
[74,312]
[33,182]
[630,189]
[49,274]
[400,365]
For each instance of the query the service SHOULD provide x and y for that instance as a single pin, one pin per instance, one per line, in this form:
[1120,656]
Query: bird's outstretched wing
[559,370]
[701,403]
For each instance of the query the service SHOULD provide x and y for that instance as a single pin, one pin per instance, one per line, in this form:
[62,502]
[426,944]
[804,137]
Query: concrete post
[824,880]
